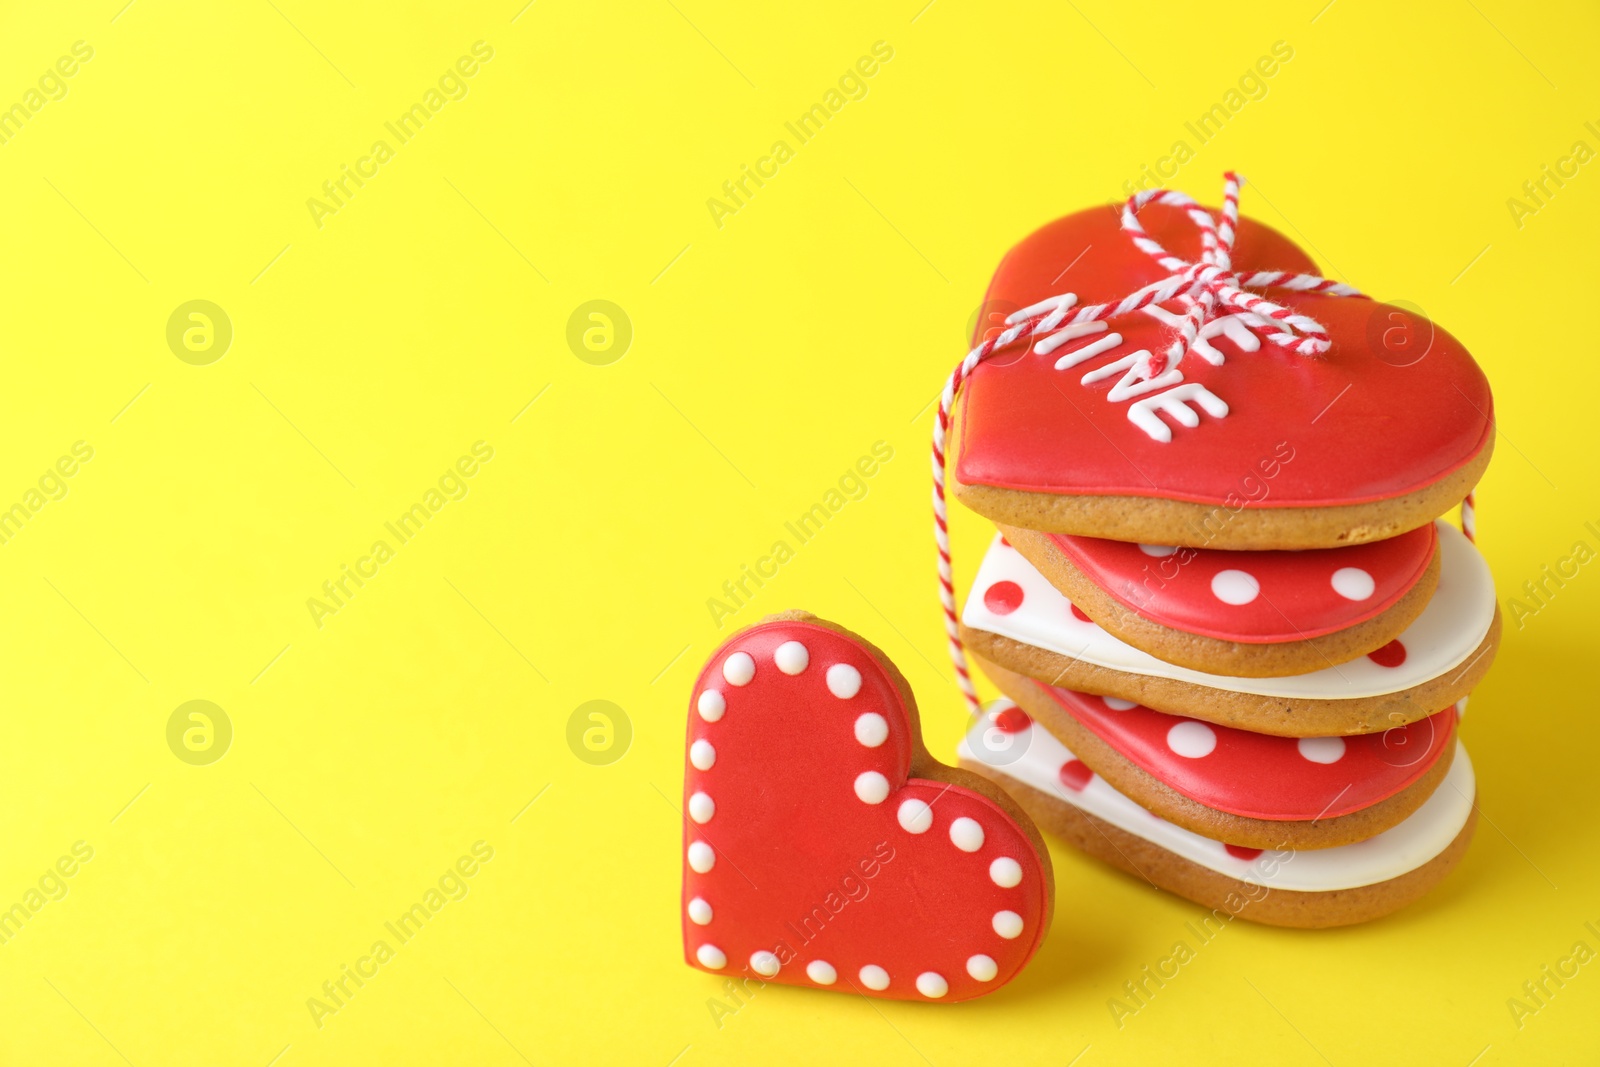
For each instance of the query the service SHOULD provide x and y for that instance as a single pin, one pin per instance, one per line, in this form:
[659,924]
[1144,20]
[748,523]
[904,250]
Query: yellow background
[768,354]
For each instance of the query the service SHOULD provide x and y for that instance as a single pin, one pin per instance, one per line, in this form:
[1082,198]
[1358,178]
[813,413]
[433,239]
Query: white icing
[1008,924]
[1449,630]
[738,669]
[932,985]
[874,977]
[821,972]
[1192,740]
[699,911]
[1175,402]
[764,963]
[791,657]
[1235,588]
[915,816]
[966,834]
[872,787]
[1005,872]
[982,967]
[701,857]
[872,729]
[702,755]
[711,956]
[844,681]
[711,705]
[702,807]
[1321,749]
[1353,583]
[1424,834]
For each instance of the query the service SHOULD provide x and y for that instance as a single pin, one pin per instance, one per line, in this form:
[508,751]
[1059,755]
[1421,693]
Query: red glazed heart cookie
[1249,789]
[1252,614]
[824,847]
[1092,426]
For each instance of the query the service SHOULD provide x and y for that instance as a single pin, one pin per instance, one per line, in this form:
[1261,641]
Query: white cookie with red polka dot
[1016,618]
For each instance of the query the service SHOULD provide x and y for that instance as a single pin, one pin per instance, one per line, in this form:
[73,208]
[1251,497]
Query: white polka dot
[872,729]
[764,963]
[1192,740]
[932,985]
[1353,583]
[1158,551]
[821,972]
[702,807]
[792,657]
[915,817]
[966,834]
[1235,587]
[711,956]
[739,668]
[1116,704]
[1005,872]
[844,681]
[702,755]
[1321,749]
[711,705]
[699,911]
[701,858]
[982,967]
[1008,924]
[874,977]
[872,787]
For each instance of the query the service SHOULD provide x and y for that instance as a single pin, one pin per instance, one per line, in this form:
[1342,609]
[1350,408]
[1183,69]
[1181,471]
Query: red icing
[1391,655]
[1365,422]
[794,843]
[1078,613]
[1003,598]
[1239,852]
[1075,774]
[1262,777]
[1012,720]
[1298,598]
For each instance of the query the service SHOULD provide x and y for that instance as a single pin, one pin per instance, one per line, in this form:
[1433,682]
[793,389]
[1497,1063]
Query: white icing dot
[1321,749]
[915,817]
[739,668]
[1192,740]
[1008,924]
[699,911]
[711,705]
[872,729]
[1158,551]
[821,972]
[874,977]
[966,834]
[701,857]
[791,657]
[1005,872]
[844,681]
[1117,704]
[872,787]
[702,807]
[764,963]
[1353,583]
[932,985]
[702,755]
[711,956]
[1235,587]
[982,967]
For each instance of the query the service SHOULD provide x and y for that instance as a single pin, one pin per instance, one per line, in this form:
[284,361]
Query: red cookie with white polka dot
[1257,614]
[1245,788]
[824,847]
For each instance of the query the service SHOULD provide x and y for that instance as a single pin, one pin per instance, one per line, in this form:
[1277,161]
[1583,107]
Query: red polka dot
[1077,613]
[1012,721]
[1003,541]
[1003,598]
[1075,774]
[1391,655]
[1239,852]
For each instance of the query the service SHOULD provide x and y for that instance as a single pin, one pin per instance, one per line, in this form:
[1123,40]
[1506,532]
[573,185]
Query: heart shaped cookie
[1256,614]
[824,847]
[1088,429]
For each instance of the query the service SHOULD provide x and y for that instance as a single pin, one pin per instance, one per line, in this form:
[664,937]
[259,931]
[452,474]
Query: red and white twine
[1206,289]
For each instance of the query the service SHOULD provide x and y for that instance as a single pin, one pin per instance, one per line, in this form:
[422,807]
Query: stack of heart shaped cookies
[1235,634]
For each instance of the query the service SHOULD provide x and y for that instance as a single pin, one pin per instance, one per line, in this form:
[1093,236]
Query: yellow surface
[373,345]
